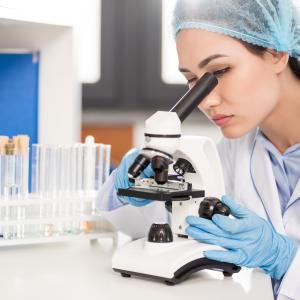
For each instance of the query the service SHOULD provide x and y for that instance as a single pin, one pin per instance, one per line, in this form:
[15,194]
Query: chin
[234,132]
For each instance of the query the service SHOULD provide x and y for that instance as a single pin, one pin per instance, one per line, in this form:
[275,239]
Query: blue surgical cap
[271,24]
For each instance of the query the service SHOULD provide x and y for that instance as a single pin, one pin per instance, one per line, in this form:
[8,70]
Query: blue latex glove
[122,180]
[250,241]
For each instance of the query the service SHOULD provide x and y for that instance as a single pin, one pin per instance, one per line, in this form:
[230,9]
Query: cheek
[251,98]
[256,94]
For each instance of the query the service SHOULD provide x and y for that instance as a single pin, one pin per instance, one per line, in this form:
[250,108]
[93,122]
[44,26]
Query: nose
[211,101]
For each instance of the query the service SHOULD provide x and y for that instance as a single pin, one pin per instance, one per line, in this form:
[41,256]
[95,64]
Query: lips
[222,120]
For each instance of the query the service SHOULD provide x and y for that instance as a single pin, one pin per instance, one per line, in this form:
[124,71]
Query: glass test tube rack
[64,184]
[38,220]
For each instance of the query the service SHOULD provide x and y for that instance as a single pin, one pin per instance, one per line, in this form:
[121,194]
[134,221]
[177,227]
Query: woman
[253,47]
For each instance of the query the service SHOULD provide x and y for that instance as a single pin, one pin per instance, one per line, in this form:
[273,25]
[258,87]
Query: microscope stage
[158,195]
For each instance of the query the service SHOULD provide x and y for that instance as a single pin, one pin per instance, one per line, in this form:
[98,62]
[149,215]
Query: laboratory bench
[82,270]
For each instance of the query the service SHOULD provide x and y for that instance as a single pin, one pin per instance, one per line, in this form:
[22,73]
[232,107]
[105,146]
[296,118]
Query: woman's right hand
[122,179]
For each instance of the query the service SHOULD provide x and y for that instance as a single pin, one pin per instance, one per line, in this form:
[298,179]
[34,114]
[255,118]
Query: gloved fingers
[138,202]
[232,257]
[236,209]
[209,238]
[121,172]
[132,154]
[134,201]
[232,226]
[205,225]
[129,158]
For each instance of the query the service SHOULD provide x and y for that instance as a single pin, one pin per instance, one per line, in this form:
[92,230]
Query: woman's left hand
[249,240]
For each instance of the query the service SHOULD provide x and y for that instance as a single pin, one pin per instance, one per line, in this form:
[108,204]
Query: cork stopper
[3,142]
[15,141]
[10,148]
[23,144]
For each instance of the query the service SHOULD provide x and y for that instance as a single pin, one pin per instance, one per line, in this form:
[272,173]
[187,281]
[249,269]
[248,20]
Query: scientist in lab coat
[253,47]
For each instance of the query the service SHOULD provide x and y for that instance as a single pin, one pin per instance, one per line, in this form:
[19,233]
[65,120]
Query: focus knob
[160,233]
[210,206]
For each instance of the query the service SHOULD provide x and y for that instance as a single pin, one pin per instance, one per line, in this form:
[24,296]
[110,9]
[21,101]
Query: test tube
[35,169]
[73,170]
[38,182]
[74,188]
[21,177]
[18,212]
[68,226]
[24,152]
[51,179]
[102,164]
[79,168]
[35,185]
[65,171]
[99,165]
[10,190]
[42,172]
[1,184]
[3,141]
[80,209]
[89,164]
[107,162]
[65,187]
[1,180]
[89,175]
[102,167]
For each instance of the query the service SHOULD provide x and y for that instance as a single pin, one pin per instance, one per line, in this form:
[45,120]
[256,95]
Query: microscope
[188,178]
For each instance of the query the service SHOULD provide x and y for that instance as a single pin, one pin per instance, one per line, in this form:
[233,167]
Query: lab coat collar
[265,185]
[295,196]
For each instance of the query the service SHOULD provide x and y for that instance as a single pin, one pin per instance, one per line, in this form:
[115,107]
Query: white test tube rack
[37,229]
[62,204]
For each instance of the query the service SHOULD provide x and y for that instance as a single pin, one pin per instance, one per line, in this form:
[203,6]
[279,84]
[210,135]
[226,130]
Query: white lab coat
[249,180]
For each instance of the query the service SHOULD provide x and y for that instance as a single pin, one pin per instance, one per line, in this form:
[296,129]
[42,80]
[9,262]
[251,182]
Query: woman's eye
[190,81]
[219,73]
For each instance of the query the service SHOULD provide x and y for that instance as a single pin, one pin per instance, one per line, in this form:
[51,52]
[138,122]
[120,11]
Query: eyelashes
[218,73]
[221,72]
[192,80]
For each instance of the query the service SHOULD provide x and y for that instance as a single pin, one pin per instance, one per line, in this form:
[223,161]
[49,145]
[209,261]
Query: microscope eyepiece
[195,96]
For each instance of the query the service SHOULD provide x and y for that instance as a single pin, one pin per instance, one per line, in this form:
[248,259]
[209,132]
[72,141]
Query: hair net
[268,23]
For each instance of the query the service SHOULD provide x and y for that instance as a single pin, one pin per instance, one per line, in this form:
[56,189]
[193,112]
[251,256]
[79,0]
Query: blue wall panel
[19,94]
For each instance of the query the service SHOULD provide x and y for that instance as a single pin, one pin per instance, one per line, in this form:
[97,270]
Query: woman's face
[248,89]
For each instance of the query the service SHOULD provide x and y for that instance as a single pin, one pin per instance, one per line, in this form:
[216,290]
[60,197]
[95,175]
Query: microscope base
[170,263]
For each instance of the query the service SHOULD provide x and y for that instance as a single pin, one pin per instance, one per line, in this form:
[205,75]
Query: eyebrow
[205,62]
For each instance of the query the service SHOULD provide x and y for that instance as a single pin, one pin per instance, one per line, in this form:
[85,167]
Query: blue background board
[19,94]
[19,74]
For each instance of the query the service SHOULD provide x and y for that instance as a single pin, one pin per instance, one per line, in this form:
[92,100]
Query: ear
[278,60]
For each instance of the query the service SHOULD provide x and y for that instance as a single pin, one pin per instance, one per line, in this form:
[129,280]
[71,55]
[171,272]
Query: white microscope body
[172,262]
[187,174]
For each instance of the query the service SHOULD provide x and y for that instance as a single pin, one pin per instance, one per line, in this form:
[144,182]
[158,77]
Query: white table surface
[79,270]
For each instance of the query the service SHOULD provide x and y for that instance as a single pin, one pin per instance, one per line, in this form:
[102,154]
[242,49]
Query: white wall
[83,16]
[59,89]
